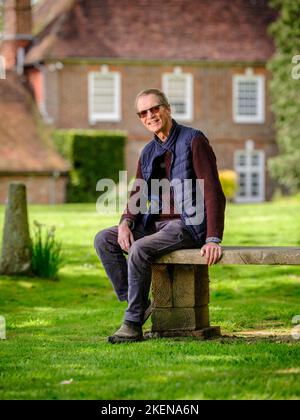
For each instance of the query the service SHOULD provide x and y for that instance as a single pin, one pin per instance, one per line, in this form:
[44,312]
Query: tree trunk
[16,245]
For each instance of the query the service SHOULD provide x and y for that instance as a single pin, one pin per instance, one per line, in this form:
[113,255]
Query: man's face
[157,119]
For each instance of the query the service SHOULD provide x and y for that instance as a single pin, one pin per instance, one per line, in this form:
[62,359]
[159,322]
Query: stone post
[16,244]
[2,328]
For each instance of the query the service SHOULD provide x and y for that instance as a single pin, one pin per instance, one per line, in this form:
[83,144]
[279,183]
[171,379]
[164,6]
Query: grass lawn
[56,331]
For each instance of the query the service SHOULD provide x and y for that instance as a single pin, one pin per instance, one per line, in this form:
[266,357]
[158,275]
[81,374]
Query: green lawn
[57,331]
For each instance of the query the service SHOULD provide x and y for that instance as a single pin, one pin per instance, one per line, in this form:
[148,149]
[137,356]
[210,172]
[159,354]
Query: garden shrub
[229,183]
[93,155]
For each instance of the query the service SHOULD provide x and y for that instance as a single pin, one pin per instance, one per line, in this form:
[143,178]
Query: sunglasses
[153,110]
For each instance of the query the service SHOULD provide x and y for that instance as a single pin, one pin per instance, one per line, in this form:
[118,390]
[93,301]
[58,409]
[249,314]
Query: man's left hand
[212,251]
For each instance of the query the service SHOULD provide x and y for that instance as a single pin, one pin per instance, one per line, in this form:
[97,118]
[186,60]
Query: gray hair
[163,100]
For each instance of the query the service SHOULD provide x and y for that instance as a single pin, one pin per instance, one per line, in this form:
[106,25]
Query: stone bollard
[2,328]
[16,245]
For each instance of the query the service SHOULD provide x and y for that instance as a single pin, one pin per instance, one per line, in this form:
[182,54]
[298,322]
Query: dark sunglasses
[154,110]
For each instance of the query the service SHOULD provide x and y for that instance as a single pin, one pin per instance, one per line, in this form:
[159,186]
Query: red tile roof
[196,30]
[22,148]
[44,12]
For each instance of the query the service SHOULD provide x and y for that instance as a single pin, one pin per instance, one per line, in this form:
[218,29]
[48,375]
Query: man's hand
[125,236]
[212,251]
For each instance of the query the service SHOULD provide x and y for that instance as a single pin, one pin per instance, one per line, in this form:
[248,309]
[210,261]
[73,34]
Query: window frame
[249,169]
[259,118]
[2,68]
[115,116]
[189,94]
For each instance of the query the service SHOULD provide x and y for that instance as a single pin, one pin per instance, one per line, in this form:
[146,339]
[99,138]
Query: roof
[22,148]
[193,30]
[45,12]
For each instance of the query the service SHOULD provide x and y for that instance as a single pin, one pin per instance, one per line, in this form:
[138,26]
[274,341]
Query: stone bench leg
[181,298]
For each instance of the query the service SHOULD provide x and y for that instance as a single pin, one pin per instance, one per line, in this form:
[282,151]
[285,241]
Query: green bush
[229,183]
[47,257]
[93,155]
[63,140]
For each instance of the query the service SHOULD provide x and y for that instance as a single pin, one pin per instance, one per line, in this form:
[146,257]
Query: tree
[285,92]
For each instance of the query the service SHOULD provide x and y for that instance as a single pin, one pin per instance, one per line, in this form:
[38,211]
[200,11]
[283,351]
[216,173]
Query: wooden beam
[237,256]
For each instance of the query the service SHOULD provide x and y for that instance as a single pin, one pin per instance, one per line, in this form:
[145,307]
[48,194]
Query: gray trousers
[131,277]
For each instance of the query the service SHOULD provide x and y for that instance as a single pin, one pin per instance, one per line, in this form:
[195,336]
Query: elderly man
[175,154]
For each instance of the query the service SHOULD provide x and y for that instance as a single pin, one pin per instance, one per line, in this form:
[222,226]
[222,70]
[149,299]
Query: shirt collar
[170,136]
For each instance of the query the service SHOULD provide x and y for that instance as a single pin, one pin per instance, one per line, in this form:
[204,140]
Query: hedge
[94,155]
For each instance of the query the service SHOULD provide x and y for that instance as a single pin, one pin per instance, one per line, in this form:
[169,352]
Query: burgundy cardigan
[205,167]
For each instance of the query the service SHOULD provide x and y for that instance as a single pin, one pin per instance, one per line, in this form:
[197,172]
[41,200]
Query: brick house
[26,152]
[89,59]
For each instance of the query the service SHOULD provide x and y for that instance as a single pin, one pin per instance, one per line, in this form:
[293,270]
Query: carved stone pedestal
[181,298]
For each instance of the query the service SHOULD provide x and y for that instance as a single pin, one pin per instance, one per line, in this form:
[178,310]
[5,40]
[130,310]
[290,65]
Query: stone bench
[180,287]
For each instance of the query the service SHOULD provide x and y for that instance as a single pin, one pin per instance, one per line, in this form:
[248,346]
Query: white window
[2,67]
[178,87]
[104,96]
[249,99]
[250,167]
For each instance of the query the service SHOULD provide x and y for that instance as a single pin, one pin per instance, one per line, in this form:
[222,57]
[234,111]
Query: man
[176,153]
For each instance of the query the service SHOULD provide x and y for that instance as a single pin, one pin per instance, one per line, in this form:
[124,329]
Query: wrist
[127,222]
[213,240]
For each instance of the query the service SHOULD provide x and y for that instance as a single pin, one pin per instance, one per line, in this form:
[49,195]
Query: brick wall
[17,17]
[17,24]
[212,107]
[212,99]
[40,189]
[36,82]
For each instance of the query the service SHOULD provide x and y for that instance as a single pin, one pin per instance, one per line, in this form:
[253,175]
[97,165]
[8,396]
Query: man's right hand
[125,236]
